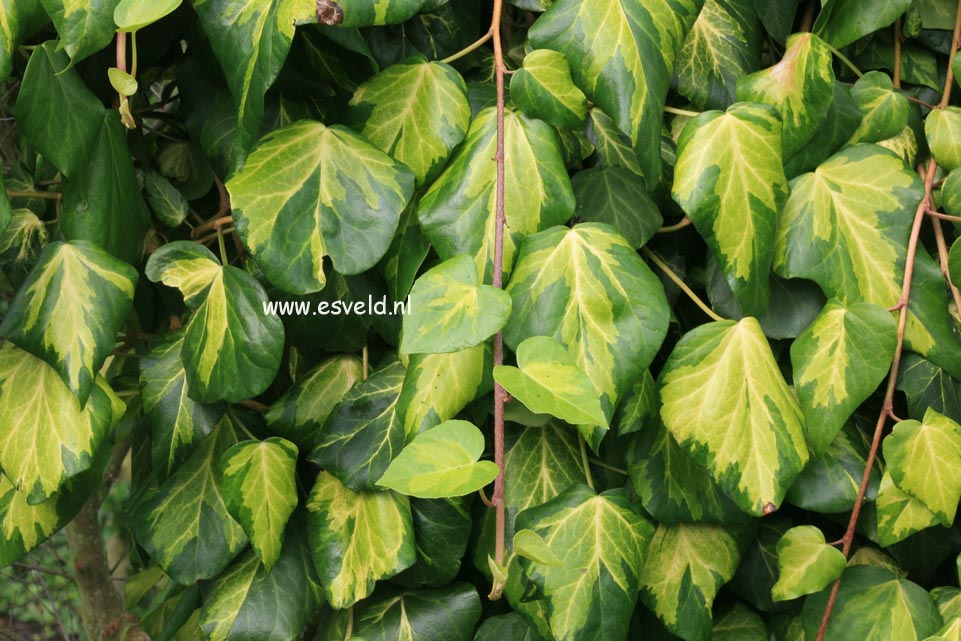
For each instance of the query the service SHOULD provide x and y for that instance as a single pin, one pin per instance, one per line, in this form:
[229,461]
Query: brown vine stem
[924,207]
[667,229]
[500,394]
[211,225]
[896,80]
[939,216]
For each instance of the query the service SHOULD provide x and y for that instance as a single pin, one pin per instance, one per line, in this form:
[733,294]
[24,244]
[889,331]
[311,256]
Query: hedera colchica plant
[674,277]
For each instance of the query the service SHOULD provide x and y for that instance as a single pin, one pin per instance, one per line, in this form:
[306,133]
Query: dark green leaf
[618,197]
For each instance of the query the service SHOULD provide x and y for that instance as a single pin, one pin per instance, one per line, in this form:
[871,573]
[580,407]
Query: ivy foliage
[731,233]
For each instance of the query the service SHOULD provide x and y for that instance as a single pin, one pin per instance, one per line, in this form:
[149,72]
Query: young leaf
[451,310]
[69,309]
[591,594]
[441,462]
[727,404]
[885,110]
[457,211]
[923,459]
[543,89]
[622,55]
[618,197]
[800,86]
[806,564]
[612,147]
[729,180]
[683,570]
[416,111]
[260,492]
[899,514]
[942,129]
[364,431]
[357,538]
[838,361]
[341,198]
[531,545]
[166,202]
[133,15]
[122,82]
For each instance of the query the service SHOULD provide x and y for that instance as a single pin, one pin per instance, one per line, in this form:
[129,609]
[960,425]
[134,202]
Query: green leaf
[670,485]
[622,55]
[342,198]
[416,111]
[588,289]
[683,570]
[639,407]
[357,538]
[618,197]
[251,41]
[591,594]
[612,147]
[777,16]
[841,22]
[55,111]
[441,462]
[231,350]
[458,210]
[757,572]
[69,310]
[531,545]
[922,458]
[19,19]
[133,15]
[177,422]
[102,202]
[873,604]
[942,128]
[183,524]
[899,514]
[806,564]
[442,528]
[449,613]
[549,381]
[739,623]
[364,13]
[885,110]
[839,125]
[450,310]
[954,262]
[167,203]
[543,89]
[364,431]
[928,386]
[800,86]
[723,45]
[730,182]
[122,82]
[260,492]
[244,602]
[838,361]
[85,27]
[438,386]
[951,193]
[506,626]
[726,403]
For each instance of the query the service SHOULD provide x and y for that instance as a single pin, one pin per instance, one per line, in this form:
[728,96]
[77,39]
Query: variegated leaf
[543,89]
[806,563]
[85,26]
[18,20]
[899,514]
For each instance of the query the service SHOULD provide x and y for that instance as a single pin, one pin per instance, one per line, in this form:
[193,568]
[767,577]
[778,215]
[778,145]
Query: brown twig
[667,229]
[936,215]
[896,80]
[807,20]
[211,226]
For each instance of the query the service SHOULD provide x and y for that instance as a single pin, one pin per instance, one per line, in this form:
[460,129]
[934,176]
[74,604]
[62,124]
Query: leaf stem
[840,56]
[682,112]
[667,229]
[477,44]
[939,216]
[585,461]
[943,262]
[222,246]
[680,283]
[599,463]
[49,195]
[211,225]
[365,357]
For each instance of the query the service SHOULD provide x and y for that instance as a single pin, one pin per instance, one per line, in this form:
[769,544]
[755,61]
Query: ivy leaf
[739,623]
[899,514]
[243,602]
[457,212]
[416,111]
[612,147]
[723,45]
[364,431]
[438,386]
[928,386]
[365,13]
[729,180]
[806,563]
[885,110]
[942,128]
[752,438]
[841,22]
[442,528]
[46,437]
[341,198]
[450,310]
[622,55]
[299,414]
[588,289]
[683,570]
[838,361]
[506,626]
[19,19]
[800,86]
[177,422]
[922,458]
[133,15]
[547,380]
[543,89]
[872,602]
[592,592]
[166,202]
[531,545]
[357,538]
[954,262]
[184,524]
[260,492]
[51,93]
[441,462]
[231,350]
[84,27]
[841,122]
[618,197]
[69,309]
